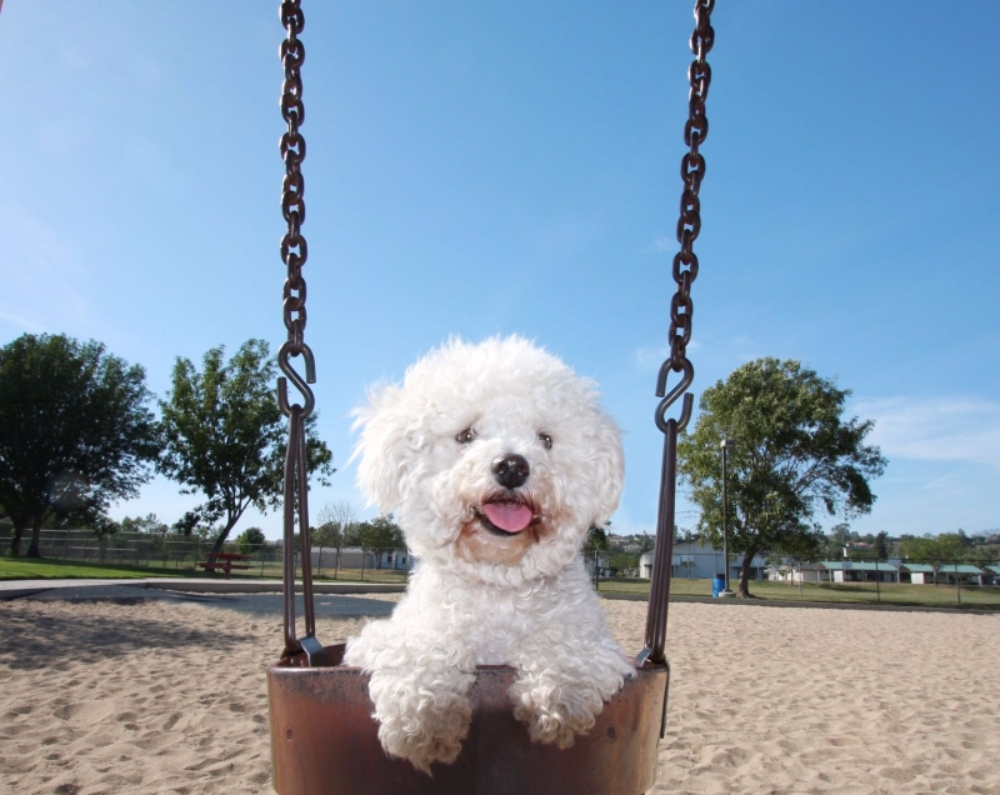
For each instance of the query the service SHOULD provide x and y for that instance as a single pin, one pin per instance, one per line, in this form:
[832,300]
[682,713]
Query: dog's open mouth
[506,516]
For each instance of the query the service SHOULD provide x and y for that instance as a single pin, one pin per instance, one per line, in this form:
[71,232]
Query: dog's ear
[608,469]
[381,450]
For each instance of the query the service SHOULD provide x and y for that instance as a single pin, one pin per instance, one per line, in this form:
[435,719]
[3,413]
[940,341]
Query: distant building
[858,571]
[694,559]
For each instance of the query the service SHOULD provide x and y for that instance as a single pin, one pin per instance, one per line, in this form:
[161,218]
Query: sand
[171,698]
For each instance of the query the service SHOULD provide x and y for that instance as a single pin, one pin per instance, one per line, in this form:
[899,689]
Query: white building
[695,560]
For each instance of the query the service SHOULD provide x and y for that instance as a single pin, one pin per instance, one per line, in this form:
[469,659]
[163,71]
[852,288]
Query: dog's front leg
[420,688]
[423,711]
[561,687]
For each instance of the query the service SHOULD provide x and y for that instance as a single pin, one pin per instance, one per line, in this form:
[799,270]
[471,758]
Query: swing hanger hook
[661,389]
[284,354]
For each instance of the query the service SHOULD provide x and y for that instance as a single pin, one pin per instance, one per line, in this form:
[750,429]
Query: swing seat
[325,742]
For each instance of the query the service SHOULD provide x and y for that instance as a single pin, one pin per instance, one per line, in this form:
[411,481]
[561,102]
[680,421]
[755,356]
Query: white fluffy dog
[496,459]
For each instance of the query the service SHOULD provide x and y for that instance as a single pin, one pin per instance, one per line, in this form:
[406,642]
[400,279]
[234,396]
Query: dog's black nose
[511,470]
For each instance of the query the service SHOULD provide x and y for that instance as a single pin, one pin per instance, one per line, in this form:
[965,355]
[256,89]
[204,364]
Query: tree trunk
[15,540]
[221,539]
[36,536]
[744,587]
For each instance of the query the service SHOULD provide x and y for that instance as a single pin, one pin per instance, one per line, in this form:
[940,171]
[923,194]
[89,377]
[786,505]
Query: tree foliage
[224,436]
[250,540]
[378,533]
[597,540]
[147,525]
[336,522]
[76,433]
[795,454]
[943,548]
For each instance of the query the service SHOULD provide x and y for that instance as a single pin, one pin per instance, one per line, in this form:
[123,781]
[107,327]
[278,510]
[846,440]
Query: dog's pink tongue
[508,516]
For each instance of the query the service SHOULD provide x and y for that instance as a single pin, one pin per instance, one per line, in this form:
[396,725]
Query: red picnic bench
[227,561]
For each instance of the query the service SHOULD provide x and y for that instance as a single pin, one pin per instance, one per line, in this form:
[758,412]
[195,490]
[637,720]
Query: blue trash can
[718,585]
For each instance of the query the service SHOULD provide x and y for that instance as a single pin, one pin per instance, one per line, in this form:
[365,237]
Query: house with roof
[858,571]
[962,572]
[803,571]
[993,575]
[694,559]
[947,573]
[918,573]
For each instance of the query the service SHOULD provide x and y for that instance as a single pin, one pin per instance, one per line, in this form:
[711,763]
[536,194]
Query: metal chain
[685,267]
[685,271]
[294,252]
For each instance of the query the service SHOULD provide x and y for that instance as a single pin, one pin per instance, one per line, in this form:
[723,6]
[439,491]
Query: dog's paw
[421,743]
[556,714]
[419,720]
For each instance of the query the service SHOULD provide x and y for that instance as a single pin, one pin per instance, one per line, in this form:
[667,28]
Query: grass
[974,597]
[22,569]
[44,569]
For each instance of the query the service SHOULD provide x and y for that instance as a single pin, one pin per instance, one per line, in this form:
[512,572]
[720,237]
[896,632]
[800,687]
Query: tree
[75,432]
[224,436]
[378,533]
[250,540]
[597,540]
[623,562]
[880,549]
[806,545]
[336,520]
[147,525]
[794,455]
[936,550]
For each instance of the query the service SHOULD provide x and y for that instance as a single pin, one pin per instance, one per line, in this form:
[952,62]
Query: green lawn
[985,597]
[22,569]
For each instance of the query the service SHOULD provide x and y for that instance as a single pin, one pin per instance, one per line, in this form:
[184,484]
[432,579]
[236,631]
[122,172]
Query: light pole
[724,445]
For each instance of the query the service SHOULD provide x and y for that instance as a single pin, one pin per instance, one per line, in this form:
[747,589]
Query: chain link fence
[177,553]
[700,572]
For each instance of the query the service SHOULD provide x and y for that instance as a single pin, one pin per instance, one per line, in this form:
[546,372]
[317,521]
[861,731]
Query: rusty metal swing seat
[324,740]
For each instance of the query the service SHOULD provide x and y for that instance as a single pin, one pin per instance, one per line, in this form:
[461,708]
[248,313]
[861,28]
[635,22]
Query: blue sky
[487,168]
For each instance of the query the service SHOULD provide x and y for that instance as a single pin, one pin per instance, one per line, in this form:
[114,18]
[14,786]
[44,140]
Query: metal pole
[725,519]
[725,444]
[958,587]
[878,586]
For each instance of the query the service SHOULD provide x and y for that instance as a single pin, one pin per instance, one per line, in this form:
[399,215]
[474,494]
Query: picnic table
[227,561]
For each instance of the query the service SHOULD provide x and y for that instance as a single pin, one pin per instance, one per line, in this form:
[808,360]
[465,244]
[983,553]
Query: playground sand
[171,698]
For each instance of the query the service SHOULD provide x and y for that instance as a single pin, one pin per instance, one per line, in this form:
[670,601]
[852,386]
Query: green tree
[250,540]
[937,550]
[76,433]
[597,540]
[880,548]
[623,562]
[805,545]
[336,520]
[147,525]
[378,533]
[794,454]
[224,436]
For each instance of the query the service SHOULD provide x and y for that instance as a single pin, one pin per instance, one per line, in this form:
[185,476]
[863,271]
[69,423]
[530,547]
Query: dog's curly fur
[432,450]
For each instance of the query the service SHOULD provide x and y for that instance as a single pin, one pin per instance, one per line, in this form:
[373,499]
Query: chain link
[294,253]
[684,271]
[294,250]
[685,266]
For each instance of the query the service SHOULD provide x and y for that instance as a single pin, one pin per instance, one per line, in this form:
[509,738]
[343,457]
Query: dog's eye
[546,440]
[465,436]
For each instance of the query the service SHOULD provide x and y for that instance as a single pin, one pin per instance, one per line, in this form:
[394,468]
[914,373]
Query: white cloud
[936,429]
